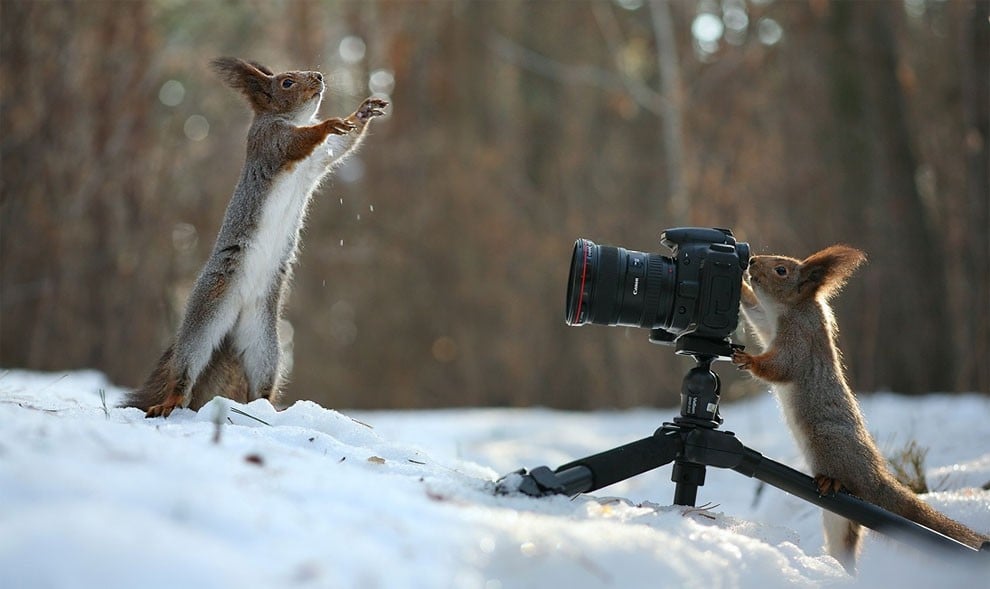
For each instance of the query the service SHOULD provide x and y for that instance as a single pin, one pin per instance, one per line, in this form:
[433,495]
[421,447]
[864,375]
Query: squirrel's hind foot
[827,485]
[165,408]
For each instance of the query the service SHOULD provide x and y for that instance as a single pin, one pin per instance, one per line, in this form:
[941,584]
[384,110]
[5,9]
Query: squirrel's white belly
[785,393]
[281,218]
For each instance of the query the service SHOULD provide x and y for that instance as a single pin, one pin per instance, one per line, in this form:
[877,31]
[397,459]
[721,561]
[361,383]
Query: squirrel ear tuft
[826,272]
[265,70]
[248,78]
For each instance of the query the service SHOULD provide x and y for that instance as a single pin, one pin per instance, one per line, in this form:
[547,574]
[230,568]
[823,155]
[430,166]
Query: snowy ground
[105,498]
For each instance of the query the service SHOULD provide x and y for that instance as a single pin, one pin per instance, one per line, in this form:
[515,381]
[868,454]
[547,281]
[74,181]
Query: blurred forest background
[434,264]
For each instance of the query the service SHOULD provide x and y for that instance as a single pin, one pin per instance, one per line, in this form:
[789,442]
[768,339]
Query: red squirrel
[228,342]
[787,306]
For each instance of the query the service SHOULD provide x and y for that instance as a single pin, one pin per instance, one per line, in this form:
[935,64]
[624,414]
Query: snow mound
[246,496]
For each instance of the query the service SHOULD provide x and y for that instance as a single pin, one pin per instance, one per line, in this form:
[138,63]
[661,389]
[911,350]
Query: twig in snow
[758,494]
[218,418]
[701,510]
[54,382]
[239,412]
[359,422]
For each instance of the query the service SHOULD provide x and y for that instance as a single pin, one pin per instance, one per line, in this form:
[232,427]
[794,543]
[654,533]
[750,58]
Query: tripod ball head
[700,395]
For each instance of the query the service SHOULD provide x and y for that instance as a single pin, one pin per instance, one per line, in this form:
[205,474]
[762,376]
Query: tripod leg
[754,464]
[723,450]
[600,470]
[687,477]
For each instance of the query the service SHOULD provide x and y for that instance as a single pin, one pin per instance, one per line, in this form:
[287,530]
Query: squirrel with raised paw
[787,306]
[228,343]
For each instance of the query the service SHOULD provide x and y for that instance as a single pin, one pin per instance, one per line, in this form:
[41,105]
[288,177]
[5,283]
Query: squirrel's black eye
[287,83]
[780,270]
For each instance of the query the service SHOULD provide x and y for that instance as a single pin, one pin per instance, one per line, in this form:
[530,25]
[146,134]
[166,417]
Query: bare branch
[642,94]
[670,87]
[538,63]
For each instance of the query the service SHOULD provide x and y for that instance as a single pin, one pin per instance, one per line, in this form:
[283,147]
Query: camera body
[710,269]
[695,291]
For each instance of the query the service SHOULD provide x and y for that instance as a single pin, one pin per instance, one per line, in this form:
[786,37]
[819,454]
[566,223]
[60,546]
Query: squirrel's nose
[752,261]
[319,76]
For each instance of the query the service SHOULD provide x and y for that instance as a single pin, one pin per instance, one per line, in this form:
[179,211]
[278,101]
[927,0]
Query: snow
[96,496]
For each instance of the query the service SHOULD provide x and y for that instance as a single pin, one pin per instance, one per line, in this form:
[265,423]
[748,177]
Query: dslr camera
[689,299]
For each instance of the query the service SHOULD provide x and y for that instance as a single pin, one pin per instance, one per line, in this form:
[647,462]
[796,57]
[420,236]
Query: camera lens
[615,286]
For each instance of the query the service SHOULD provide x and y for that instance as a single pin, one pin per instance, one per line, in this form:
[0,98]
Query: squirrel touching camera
[786,303]
[227,343]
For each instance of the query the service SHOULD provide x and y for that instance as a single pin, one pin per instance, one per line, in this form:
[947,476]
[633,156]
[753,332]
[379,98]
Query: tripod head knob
[700,395]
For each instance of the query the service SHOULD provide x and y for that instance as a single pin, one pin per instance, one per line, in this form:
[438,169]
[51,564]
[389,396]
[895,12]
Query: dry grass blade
[103,401]
[908,466]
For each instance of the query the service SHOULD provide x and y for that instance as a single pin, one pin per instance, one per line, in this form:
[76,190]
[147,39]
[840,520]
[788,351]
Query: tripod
[693,442]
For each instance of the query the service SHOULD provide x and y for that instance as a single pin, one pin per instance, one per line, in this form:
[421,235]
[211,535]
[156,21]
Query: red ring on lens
[584,275]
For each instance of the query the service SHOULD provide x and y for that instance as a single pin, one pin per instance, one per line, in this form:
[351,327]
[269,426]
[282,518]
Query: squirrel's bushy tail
[897,498]
[159,384]
[843,539]
[223,376]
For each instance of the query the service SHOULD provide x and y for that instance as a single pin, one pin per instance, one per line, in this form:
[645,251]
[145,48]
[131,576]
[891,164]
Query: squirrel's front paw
[748,297]
[371,108]
[340,126]
[742,360]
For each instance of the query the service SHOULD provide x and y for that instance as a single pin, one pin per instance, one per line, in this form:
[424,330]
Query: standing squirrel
[228,342]
[787,306]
